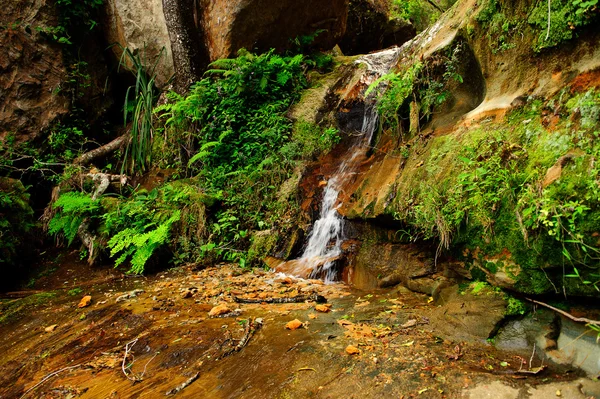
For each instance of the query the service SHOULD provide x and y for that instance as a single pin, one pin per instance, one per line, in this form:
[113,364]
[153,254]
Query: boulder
[31,71]
[141,27]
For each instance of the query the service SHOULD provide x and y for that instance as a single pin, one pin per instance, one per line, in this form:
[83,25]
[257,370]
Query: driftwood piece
[296,299]
[251,327]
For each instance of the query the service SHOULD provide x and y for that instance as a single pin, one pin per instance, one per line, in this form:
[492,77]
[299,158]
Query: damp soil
[51,348]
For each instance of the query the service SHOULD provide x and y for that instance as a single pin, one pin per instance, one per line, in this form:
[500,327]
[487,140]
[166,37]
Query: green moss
[515,307]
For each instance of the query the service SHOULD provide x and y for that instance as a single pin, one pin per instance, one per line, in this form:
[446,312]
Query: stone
[140,26]
[51,328]
[85,301]
[294,324]
[323,308]
[219,310]
[352,350]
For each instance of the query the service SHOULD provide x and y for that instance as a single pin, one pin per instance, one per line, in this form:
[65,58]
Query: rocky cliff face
[31,71]
[509,104]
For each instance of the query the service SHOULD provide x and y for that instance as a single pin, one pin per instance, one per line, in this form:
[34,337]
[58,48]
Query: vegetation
[520,192]
[566,18]
[232,135]
[409,98]
[16,221]
[421,13]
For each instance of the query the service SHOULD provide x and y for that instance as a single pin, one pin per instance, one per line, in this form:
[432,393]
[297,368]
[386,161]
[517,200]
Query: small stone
[352,350]
[312,316]
[51,328]
[323,308]
[294,324]
[219,310]
[85,301]
[558,393]
[186,294]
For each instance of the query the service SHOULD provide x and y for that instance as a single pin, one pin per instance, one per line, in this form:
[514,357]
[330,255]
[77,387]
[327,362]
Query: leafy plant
[139,103]
[566,18]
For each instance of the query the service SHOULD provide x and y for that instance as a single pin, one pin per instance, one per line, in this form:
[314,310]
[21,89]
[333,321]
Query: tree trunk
[190,55]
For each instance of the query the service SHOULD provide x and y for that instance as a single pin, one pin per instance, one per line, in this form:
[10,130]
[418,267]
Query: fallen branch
[102,151]
[296,299]
[567,315]
[184,385]
[251,327]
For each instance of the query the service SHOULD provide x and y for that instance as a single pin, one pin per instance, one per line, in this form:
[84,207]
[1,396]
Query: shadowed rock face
[31,71]
[202,31]
[261,24]
[370,28]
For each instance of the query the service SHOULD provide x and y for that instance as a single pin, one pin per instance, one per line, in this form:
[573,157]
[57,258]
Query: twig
[532,355]
[48,377]
[567,315]
[128,347]
[184,385]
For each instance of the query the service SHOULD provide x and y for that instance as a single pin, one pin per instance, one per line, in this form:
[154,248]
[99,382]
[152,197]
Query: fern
[139,244]
[72,209]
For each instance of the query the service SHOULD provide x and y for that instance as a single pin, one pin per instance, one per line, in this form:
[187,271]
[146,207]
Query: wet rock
[294,325]
[85,301]
[219,310]
[51,328]
[468,316]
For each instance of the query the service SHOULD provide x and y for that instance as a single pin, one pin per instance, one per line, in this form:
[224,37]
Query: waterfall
[325,240]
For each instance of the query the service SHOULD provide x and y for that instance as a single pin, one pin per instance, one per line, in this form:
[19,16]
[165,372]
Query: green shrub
[16,221]
[233,133]
[567,17]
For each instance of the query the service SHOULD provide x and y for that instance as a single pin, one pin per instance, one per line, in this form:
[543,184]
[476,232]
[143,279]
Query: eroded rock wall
[31,71]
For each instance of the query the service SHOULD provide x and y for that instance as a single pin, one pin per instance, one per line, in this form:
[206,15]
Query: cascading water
[324,245]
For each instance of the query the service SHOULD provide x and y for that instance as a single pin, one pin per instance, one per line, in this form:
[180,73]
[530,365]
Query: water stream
[324,246]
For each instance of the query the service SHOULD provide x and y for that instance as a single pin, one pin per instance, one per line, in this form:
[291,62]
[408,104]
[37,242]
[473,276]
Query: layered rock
[31,71]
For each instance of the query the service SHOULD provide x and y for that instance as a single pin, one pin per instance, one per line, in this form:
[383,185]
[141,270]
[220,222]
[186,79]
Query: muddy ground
[145,337]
